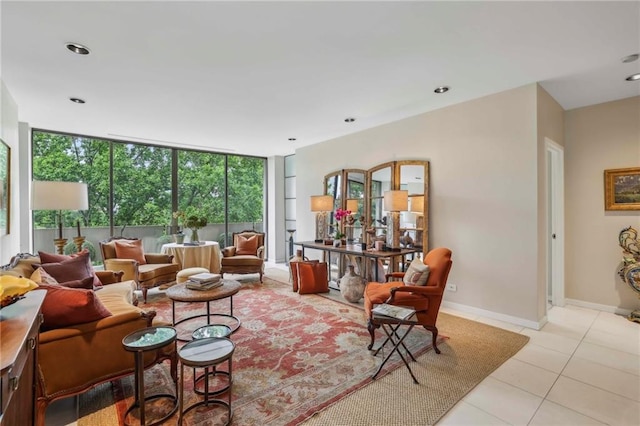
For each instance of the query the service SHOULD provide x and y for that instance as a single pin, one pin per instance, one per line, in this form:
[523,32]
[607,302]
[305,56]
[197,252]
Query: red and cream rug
[294,356]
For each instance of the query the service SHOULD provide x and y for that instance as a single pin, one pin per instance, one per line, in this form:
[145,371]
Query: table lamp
[321,204]
[48,195]
[395,202]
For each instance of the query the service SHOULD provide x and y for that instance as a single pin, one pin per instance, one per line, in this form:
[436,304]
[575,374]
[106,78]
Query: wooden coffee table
[180,293]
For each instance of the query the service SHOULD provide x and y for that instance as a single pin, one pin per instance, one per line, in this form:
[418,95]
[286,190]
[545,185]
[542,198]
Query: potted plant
[191,221]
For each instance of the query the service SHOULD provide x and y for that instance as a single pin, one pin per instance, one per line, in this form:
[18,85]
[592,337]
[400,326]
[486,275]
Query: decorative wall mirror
[380,180]
[333,183]
[354,202]
[413,176]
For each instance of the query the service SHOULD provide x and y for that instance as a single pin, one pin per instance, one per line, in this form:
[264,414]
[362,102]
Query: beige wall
[484,185]
[9,127]
[598,137]
[550,122]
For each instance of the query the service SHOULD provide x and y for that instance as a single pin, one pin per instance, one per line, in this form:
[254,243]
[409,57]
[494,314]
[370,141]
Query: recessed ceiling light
[349,120]
[630,58]
[77,100]
[78,48]
[441,89]
[292,139]
[633,77]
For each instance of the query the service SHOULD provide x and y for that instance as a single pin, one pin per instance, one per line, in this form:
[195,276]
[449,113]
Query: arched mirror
[354,202]
[333,183]
[380,180]
[413,176]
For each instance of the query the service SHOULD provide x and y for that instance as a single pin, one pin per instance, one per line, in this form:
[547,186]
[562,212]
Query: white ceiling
[244,77]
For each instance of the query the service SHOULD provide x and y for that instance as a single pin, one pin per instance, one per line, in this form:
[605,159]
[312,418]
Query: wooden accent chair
[424,299]
[245,256]
[148,270]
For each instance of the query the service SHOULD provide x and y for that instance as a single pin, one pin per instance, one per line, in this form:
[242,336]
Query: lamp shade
[352,205]
[321,203]
[48,195]
[417,204]
[396,201]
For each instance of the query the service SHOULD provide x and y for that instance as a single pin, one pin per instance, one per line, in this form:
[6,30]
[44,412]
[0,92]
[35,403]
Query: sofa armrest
[229,251]
[158,258]
[129,267]
[109,277]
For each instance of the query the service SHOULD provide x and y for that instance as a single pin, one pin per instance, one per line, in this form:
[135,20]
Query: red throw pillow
[76,268]
[313,277]
[294,272]
[64,307]
[54,258]
[130,249]
[247,246]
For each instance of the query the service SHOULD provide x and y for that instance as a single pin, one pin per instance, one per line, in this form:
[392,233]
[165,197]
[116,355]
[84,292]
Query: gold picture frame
[5,187]
[622,189]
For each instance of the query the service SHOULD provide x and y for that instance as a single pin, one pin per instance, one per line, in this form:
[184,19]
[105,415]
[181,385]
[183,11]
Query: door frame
[554,178]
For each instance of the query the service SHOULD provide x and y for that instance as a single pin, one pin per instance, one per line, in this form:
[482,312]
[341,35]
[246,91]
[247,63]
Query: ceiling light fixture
[77,100]
[630,58]
[292,139]
[349,120]
[441,89]
[634,77]
[78,48]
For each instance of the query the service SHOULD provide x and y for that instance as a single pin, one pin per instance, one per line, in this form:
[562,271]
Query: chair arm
[158,258]
[260,253]
[109,277]
[399,275]
[415,289]
[229,251]
[129,267]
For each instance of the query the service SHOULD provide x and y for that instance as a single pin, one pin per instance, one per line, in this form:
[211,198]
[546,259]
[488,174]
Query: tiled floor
[582,368]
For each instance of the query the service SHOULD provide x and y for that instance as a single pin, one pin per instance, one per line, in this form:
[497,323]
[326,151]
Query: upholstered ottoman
[184,275]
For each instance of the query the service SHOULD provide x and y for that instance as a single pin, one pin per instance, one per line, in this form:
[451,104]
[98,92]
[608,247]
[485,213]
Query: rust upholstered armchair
[425,299]
[246,255]
[148,270]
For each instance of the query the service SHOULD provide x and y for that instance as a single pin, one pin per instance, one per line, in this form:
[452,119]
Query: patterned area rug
[294,356]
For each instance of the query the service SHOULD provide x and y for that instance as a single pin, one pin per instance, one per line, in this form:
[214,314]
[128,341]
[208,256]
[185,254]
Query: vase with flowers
[192,221]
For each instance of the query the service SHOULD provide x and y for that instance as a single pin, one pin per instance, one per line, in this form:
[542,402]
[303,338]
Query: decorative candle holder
[79,241]
[60,243]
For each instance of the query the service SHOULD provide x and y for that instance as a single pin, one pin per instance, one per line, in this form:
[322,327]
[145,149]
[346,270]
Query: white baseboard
[497,316]
[599,307]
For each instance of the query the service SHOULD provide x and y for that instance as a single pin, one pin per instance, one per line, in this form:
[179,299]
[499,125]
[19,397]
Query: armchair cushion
[130,249]
[54,257]
[64,307]
[247,245]
[417,274]
[149,271]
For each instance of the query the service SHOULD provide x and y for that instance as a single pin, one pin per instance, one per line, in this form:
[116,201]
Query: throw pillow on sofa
[64,307]
[76,268]
[40,276]
[54,258]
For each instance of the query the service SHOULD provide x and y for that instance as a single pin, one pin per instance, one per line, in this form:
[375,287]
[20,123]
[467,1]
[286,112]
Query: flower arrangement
[338,215]
[190,221]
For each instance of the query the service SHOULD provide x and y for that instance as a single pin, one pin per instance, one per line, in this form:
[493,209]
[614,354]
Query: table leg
[139,366]
[173,312]
[396,348]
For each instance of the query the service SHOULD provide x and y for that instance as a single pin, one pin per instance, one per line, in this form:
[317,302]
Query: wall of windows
[134,188]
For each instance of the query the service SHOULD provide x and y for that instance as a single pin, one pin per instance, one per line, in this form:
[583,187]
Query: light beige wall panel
[483,191]
[10,244]
[550,121]
[598,137]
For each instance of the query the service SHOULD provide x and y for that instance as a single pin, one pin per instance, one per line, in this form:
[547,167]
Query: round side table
[139,342]
[206,353]
[204,332]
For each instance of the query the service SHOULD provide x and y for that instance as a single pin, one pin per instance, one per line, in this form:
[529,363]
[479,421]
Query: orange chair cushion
[63,307]
[248,246]
[312,277]
[294,272]
[375,294]
[130,249]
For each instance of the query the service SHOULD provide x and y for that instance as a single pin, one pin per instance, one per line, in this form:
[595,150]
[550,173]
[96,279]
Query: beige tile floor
[582,368]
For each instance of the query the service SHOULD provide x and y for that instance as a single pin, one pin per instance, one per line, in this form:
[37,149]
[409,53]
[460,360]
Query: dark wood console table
[19,325]
[356,250]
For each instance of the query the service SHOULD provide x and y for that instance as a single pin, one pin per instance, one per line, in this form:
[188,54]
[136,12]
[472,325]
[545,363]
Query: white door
[555,223]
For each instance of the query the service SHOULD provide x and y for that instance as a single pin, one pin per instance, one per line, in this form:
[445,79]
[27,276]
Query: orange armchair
[424,299]
[148,270]
[245,256]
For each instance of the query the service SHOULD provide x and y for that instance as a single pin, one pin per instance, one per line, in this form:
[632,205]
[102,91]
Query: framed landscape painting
[5,185]
[622,189]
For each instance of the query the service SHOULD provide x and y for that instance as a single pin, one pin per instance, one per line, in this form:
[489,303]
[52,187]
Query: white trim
[599,307]
[557,225]
[497,316]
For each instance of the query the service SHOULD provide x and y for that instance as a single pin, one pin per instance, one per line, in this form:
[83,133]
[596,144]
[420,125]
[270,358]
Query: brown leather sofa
[159,268]
[245,256]
[74,359]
